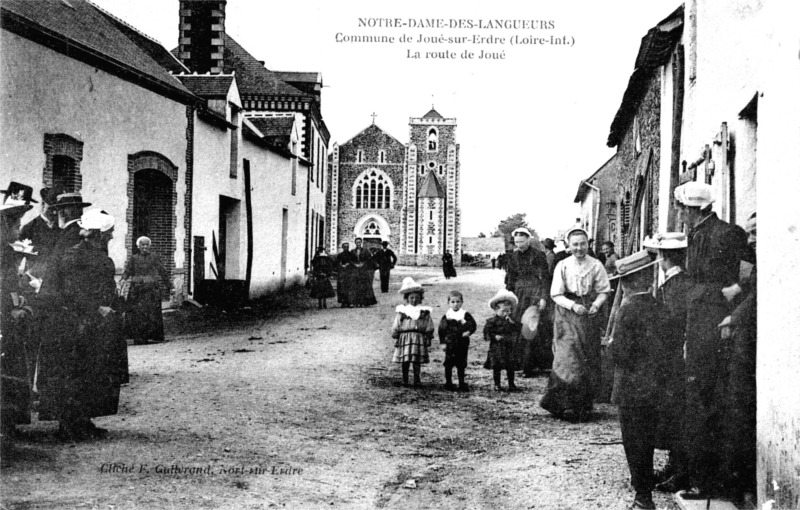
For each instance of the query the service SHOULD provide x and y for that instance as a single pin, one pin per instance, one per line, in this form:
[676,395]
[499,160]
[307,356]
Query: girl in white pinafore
[412,330]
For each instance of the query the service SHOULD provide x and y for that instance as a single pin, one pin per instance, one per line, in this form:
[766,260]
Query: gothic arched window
[372,190]
[433,140]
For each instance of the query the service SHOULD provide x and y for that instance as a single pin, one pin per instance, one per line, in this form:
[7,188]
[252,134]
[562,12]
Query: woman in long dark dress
[447,265]
[145,271]
[321,269]
[83,360]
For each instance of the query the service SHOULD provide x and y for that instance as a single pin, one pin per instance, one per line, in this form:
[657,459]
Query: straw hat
[503,295]
[69,199]
[633,264]
[409,286]
[694,194]
[666,241]
[17,198]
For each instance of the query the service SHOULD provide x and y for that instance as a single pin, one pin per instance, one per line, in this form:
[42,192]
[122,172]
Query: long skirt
[449,270]
[143,319]
[321,287]
[16,371]
[344,284]
[82,368]
[361,292]
[576,362]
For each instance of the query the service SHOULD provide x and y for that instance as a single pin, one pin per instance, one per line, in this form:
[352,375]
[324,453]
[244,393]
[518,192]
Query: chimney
[202,35]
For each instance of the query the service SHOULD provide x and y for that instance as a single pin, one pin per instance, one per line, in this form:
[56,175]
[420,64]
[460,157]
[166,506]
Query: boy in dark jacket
[454,330]
[638,350]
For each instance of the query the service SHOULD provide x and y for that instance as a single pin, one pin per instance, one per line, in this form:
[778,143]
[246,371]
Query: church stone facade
[383,190]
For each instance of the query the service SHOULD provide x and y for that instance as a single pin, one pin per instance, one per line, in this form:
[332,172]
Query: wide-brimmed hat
[694,194]
[503,295]
[95,219]
[409,286]
[70,199]
[666,241]
[633,264]
[521,230]
[18,191]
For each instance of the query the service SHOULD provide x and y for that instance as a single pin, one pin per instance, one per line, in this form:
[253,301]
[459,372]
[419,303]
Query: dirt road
[302,408]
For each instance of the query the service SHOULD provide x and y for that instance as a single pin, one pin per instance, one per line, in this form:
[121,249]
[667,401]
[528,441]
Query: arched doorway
[153,214]
[372,229]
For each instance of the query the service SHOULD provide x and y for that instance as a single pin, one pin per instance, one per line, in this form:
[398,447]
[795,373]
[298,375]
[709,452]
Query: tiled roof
[299,76]
[654,51]
[433,114]
[251,75]
[95,36]
[273,126]
[373,130]
[430,187]
[207,86]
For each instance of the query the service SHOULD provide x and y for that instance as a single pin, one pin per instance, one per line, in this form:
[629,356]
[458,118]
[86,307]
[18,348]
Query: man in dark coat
[713,257]
[386,259]
[43,232]
[672,296]
[739,334]
[638,350]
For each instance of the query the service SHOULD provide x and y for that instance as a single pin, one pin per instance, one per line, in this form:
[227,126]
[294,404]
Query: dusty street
[302,408]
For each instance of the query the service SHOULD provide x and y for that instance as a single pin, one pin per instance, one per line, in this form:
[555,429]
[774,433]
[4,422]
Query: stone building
[406,194]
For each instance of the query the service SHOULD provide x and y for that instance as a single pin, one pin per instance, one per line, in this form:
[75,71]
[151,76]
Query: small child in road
[412,330]
[454,330]
[502,333]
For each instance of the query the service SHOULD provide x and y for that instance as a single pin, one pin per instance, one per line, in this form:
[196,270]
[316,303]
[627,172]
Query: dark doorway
[152,214]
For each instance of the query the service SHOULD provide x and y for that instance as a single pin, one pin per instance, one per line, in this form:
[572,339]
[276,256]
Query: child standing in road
[412,330]
[454,330]
[502,333]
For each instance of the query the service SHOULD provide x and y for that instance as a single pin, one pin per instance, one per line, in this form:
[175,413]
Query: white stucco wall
[271,182]
[112,117]
[778,157]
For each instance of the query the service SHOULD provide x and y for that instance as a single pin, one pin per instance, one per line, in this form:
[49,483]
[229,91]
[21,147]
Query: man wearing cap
[386,260]
[15,314]
[580,288]
[529,279]
[714,253]
[672,293]
[638,349]
[82,360]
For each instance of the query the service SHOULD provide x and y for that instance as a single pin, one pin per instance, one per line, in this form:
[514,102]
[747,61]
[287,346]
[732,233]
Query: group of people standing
[685,356]
[63,339]
[354,271]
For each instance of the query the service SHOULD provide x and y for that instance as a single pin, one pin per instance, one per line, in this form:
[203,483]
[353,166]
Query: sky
[530,125]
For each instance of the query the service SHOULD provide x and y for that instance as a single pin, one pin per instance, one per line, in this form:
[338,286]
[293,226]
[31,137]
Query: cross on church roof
[373,117]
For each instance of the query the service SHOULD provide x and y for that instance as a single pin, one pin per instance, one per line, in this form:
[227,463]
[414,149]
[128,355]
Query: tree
[510,224]
[481,235]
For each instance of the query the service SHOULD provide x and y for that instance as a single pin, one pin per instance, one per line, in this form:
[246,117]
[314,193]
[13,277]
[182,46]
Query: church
[406,194]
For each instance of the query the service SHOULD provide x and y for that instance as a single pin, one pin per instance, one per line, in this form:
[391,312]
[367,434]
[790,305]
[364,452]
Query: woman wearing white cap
[147,275]
[81,362]
[580,287]
[712,263]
